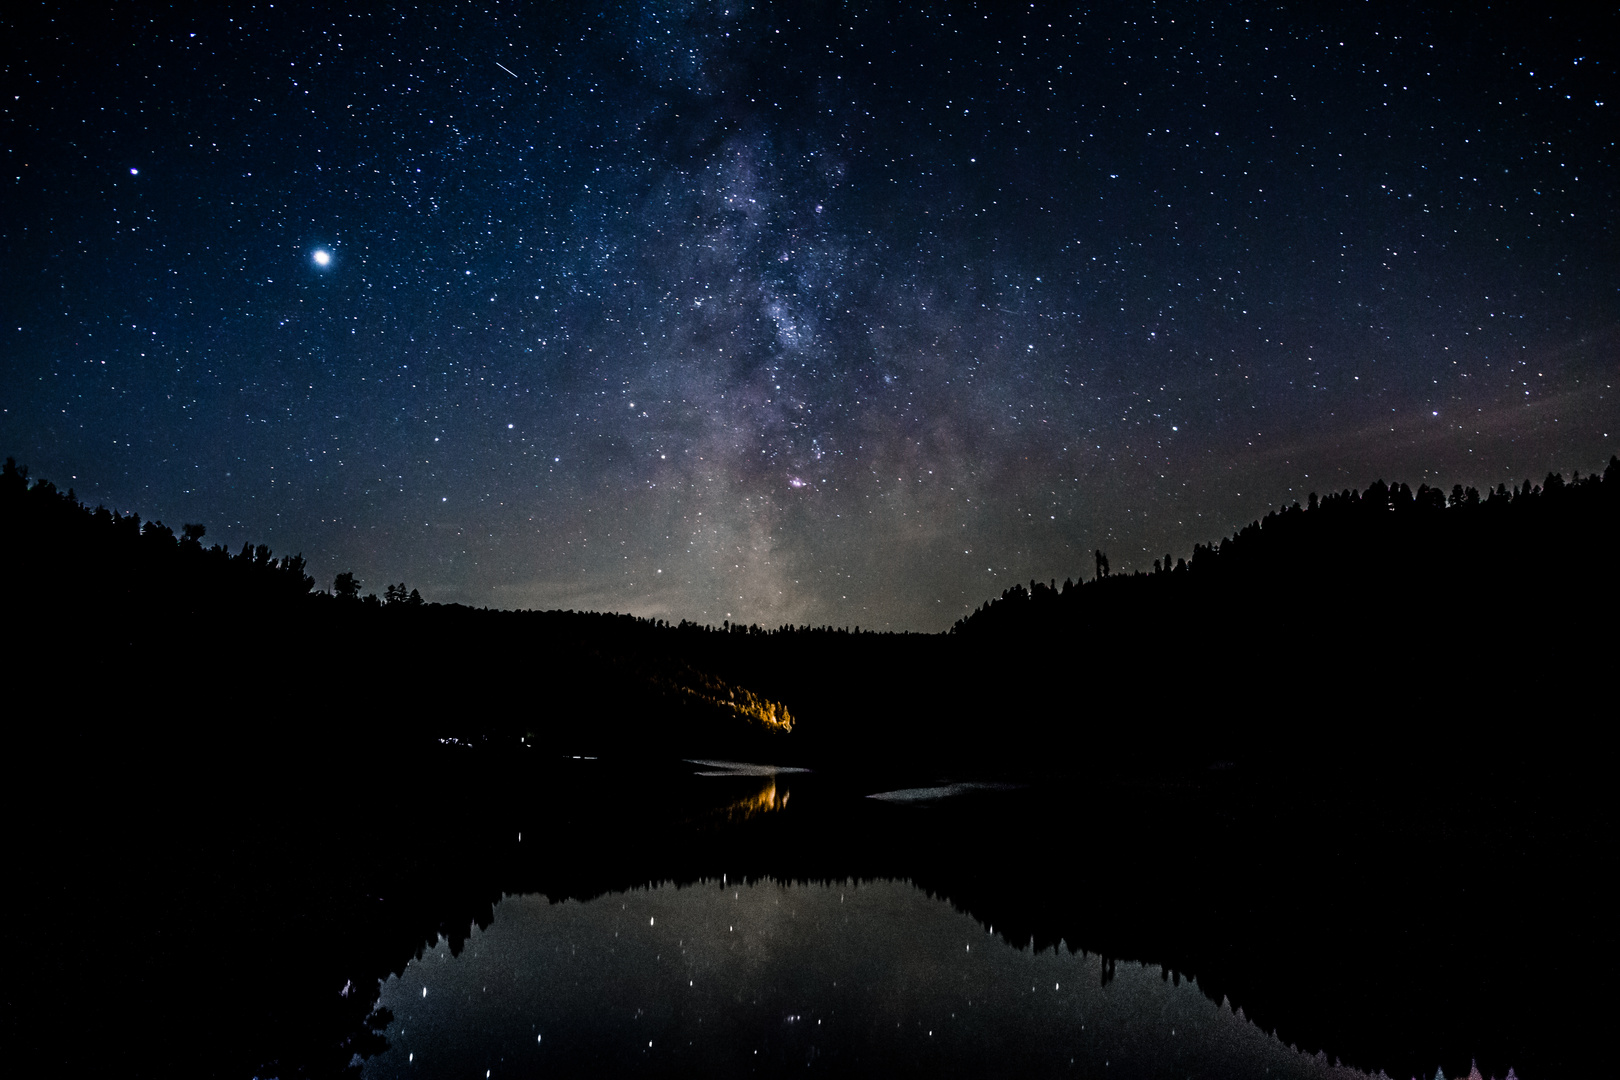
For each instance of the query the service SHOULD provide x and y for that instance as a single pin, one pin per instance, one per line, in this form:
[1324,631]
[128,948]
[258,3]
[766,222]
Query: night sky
[849,314]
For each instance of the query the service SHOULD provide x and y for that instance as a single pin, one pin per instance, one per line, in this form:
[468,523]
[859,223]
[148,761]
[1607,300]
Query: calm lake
[872,978]
[486,912]
[884,924]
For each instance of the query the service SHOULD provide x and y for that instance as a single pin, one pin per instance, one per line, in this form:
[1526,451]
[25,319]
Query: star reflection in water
[724,979]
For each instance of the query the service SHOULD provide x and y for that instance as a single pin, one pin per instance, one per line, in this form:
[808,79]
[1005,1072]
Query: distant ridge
[1530,538]
[195,642]
[1355,622]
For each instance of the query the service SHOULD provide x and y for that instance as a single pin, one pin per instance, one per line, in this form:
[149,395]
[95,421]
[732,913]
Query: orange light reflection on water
[768,799]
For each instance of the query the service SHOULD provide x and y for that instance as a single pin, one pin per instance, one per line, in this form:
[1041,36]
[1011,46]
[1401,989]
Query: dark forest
[1410,612]
[1363,733]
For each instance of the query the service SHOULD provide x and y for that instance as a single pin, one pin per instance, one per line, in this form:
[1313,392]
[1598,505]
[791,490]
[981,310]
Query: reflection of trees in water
[766,795]
[868,977]
[375,897]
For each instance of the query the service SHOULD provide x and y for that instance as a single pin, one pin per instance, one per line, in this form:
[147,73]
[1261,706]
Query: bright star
[322,257]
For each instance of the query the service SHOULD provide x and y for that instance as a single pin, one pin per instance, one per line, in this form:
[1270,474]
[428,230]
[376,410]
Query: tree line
[1384,594]
[122,556]
[1386,537]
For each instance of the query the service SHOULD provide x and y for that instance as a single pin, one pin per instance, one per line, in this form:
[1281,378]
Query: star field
[814,313]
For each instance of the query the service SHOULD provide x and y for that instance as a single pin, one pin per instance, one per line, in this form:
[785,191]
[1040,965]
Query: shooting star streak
[508,70]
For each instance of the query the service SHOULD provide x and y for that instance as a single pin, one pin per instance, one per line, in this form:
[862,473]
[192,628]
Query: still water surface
[863,978]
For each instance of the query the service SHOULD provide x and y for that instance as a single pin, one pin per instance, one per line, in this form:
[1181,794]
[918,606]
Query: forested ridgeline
[1417,613]
[1446,625]
[1421,615]
[159,637]
[1351,560]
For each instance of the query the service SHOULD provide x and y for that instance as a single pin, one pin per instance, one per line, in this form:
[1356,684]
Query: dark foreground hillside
[193,643]
[1380,620]
[1347,768]
[1416,618]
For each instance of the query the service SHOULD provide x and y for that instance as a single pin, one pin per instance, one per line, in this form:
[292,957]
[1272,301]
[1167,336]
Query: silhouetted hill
[192,643]
[1417,617]
[1360,622]
[1348,556]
